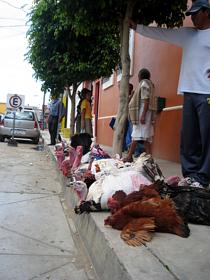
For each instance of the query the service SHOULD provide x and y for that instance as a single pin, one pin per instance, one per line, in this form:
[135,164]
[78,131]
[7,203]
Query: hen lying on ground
[192,203]
[121,199]
[138,219]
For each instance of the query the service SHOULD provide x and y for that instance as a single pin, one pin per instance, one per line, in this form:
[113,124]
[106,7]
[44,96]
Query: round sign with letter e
[15,101]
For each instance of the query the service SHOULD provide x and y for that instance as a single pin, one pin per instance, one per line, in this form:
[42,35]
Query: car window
[25,115]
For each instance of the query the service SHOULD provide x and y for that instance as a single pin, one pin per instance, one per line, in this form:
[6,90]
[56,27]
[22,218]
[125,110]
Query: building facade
[163,61]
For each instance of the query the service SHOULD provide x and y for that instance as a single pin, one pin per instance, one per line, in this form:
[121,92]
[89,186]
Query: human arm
[62,112]
[145,109]
[145,96]
[175,36]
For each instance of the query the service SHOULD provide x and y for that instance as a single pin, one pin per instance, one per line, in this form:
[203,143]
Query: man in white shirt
[194,83]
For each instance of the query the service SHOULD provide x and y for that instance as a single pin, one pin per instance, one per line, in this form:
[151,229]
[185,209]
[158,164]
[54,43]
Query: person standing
[86,114]
[140,114]
[56,114]
[194,83]
[78,116]
[128,127]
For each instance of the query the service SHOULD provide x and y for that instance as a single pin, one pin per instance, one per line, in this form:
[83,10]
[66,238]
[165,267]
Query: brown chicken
[120,199]
[138,219]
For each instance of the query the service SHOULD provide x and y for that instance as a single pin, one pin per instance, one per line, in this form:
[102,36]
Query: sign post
[14,102]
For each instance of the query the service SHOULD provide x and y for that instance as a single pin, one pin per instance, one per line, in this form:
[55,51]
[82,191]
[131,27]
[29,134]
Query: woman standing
[86,114]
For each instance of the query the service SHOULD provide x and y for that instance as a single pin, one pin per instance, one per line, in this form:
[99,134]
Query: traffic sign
[15,101]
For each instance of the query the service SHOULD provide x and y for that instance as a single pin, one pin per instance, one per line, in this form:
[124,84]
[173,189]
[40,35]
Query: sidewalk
[38,239]
[166,257]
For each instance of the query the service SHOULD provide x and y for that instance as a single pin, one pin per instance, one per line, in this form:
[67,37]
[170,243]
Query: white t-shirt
[195,58]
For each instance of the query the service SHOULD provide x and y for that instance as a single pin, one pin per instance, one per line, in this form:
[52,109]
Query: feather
[138,231]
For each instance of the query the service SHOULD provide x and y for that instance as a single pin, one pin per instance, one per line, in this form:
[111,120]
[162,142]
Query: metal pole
[12,142]
[13,127]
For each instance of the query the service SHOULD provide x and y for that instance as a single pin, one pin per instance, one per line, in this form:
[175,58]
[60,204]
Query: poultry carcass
[87,207]
[138,219]
[68,163]
[193,203]
[121,199]
[59,153]
[77,161]
[103,188]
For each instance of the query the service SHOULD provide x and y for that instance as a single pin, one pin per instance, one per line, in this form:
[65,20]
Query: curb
[112,259]
[102,255]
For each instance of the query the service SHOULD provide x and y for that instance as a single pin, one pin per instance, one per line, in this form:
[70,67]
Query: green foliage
[88,15]
[169,13]
[71,41]
[59,55]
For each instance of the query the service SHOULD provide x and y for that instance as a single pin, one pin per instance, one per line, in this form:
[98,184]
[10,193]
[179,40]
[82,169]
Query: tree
[62,57]
[91,15]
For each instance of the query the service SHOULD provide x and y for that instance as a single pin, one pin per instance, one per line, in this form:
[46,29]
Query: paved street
[38,240]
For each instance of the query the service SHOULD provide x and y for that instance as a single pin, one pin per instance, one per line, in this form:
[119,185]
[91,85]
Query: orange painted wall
[163,61]
[108,104]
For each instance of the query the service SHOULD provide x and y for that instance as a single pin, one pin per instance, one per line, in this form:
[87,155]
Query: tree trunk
[122,113]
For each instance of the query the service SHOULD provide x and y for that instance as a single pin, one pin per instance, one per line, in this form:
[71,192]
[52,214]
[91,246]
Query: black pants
[53,127]
[195,137]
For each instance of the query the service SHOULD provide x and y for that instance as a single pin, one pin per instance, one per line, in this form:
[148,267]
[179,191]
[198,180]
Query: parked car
[26,125]
[1,117]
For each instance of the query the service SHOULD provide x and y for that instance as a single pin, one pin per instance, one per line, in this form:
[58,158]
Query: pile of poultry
[161,206]
[141,213]
[158,207]
[141,200]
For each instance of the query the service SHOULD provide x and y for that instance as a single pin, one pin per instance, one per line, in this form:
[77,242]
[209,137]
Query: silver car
[26,126]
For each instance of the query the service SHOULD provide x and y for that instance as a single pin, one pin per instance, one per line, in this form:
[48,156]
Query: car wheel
[36,140]
[2,138]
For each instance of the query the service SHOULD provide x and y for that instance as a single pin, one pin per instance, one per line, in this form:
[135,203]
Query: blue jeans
[195,137]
